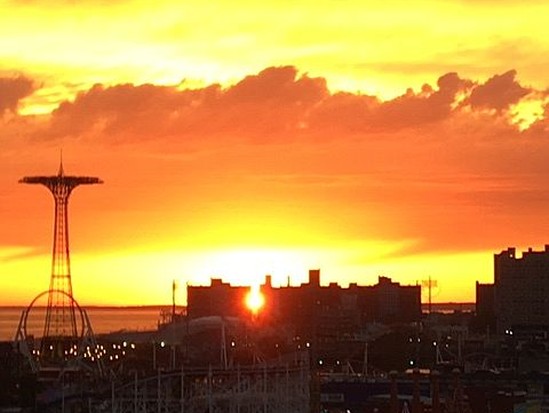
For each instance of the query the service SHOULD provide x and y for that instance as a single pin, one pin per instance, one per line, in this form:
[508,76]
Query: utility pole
[429,284]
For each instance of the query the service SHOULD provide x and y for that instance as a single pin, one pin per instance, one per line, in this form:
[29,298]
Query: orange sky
[239,138]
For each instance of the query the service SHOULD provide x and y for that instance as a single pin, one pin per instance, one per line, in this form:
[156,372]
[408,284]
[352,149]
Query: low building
[485,308]
[324,312]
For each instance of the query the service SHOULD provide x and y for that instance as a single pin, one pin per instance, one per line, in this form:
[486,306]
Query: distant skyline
[239,139]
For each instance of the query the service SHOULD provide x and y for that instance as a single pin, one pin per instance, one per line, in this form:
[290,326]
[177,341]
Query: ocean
[110,319]
[102,319]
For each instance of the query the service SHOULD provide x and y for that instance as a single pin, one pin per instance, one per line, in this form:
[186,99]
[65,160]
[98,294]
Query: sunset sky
[243,138]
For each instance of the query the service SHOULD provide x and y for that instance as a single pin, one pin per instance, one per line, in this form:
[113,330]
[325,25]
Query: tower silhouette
[60,327]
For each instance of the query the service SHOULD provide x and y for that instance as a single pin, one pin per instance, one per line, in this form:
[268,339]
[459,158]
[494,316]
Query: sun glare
[255,300]
[248,266]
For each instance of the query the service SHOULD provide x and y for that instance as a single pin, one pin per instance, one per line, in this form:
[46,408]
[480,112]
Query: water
[103,319]
[109,319]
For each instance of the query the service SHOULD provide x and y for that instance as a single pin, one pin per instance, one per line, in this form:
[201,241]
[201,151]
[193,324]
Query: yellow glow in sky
[247,161]
[373,47]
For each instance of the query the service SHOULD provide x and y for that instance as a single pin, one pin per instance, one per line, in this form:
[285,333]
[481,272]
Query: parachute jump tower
[63,315]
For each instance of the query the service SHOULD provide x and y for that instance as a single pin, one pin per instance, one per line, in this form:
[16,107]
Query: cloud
[112,110]
[360,113]
[277,103]
[10,254]
[428,106]
[445,159]
[540,128]
[274,100]
[12,90]
[277,85]
[498,92]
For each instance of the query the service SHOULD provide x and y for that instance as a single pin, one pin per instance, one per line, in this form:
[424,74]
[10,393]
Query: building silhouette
[325,315]
[521,285]
[517,300]
[485,308]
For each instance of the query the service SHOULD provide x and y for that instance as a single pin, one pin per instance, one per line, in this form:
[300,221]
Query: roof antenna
[61,162]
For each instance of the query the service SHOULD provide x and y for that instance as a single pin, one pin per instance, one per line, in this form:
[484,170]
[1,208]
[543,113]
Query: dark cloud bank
[446,158]
[12,90]
[277,103]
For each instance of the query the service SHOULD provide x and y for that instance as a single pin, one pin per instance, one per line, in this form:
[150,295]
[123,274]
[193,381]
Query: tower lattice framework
[61,326]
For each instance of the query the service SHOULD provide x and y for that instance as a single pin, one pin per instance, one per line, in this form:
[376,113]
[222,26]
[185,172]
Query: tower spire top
[61,172]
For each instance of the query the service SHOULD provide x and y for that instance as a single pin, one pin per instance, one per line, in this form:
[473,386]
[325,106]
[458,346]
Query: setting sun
[255,299]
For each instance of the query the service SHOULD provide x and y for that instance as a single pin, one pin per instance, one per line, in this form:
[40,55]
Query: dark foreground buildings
[330,320]
[314,348]
[518,300]
[311,304]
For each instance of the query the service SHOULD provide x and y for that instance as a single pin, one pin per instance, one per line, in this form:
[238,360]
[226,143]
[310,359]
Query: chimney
[314,277]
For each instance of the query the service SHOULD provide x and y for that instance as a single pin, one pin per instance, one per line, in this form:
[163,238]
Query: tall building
[485,303]
[521,289]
